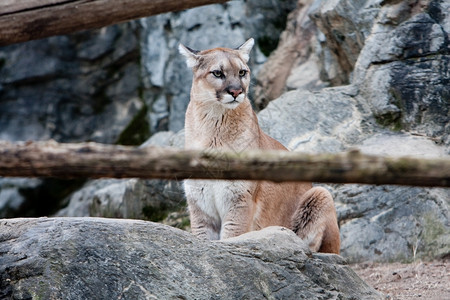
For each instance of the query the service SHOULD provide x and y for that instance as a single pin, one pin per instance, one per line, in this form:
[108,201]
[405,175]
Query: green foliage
[391,120]
[185,222]
[138,131]
[156,213]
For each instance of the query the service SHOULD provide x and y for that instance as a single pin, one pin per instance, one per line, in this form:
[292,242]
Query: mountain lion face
[221,75]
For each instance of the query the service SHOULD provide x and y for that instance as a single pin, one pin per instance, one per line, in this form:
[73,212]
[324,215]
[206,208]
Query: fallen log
[24,20]
[91,160]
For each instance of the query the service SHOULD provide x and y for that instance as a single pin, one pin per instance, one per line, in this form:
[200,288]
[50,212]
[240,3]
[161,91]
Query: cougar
[220,116]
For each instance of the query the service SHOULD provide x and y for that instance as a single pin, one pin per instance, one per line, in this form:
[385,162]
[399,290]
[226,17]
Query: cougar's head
[221,75]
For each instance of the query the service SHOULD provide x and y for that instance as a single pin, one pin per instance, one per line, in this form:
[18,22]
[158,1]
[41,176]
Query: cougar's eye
[242,73]
[217,73]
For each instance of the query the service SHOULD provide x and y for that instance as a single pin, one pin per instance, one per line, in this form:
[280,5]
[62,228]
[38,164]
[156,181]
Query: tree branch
[22,21]
[91,160]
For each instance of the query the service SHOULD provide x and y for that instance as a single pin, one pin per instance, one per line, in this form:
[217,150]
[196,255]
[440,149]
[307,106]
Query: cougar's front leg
[315,221]
[204,222]
[202,225]
[238,217]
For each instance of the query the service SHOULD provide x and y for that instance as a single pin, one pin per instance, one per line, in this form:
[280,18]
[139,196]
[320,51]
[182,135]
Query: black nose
[234,91]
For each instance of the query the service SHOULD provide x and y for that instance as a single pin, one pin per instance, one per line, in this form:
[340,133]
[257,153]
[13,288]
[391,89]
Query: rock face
[88,258]
[376,223]
[71,88]
[398,83]
[395,54]
[403,68]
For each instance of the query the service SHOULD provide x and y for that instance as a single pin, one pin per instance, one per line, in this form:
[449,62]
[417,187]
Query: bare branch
[22,21]
[91,160]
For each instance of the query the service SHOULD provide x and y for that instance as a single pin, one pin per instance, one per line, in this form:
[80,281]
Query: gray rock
[319,47]
[387,223]
[125,198]
[80,87]
[401,144]
[396,56]
[88,258]
[29,197]
[129,198]
[345,25]
[11,200]
[402,75]
[377,223]
[294,63]
[378,47]
[80,202]
[326,121]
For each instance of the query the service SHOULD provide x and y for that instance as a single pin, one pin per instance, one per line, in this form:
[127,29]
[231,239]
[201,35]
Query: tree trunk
[22,21]
[90,160]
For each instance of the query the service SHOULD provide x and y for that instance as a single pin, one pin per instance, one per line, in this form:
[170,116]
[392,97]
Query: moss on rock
[137,131]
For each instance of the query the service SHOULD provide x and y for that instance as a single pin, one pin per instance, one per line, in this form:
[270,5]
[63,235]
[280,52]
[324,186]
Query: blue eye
[217,73]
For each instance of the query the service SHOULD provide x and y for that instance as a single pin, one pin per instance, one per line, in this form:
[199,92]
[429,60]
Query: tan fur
[221,209]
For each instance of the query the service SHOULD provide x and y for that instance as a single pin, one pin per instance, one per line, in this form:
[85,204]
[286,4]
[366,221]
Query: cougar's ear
[245,48]
[190,54]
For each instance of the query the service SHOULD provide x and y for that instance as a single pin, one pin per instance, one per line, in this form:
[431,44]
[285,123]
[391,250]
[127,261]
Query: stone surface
[83,258]
[325,121]
[384,223]
[130,198]
[395,54]
[318,48]
[80,87]
[403,68]
[345,25]
[11,199]
[387,223]
[293,57]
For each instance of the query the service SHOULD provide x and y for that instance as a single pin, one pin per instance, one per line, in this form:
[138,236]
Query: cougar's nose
[234,91]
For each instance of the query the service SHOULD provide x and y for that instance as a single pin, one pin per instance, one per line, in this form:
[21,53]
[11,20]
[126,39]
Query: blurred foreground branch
[22,21]
[91,160]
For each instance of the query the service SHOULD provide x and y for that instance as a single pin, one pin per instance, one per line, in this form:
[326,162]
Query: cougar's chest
[215,197]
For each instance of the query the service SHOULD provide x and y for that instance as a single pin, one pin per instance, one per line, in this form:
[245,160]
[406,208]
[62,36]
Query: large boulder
[93,258]
[327,121]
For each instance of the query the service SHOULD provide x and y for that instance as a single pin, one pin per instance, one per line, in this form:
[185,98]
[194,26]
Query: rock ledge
[95,258]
